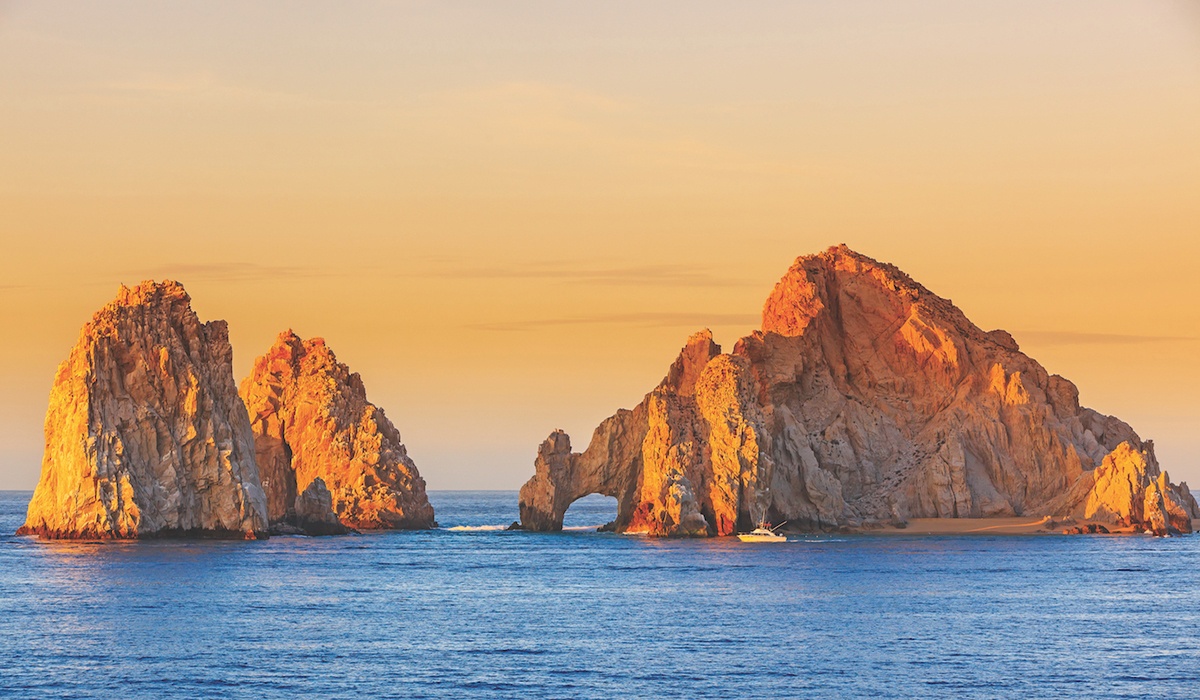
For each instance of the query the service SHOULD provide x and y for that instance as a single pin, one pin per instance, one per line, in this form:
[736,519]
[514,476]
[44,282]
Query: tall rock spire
[145,433]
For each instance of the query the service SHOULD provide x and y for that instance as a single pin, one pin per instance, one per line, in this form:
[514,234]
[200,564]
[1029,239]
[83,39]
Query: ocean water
[470,610]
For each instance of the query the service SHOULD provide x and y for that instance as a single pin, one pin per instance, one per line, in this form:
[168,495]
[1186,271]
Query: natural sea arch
[592,511]
[561,478]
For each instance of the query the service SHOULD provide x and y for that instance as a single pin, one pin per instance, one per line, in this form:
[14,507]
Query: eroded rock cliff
[145,433]
[864,398]
[311,420]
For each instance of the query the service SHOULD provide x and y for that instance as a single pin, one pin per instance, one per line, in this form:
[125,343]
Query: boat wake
[497,528]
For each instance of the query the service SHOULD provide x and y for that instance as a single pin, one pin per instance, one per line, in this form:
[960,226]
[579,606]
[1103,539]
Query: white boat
[762,534]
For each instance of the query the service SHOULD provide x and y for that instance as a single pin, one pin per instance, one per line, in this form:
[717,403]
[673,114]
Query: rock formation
[145,433]
[311,514]
[865,398]
[311,420]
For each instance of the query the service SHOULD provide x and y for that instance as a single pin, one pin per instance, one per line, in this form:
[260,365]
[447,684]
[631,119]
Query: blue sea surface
[470,610]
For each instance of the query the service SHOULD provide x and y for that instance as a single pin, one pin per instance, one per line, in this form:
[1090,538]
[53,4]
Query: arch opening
[591,512]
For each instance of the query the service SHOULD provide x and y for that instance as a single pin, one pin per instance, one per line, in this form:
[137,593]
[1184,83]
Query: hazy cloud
[1076,338]
[592,125]
[225,272]
[674,275]
[701,320]
[558,96]
[193,83]
[200,85]
[645,319]
[668,275]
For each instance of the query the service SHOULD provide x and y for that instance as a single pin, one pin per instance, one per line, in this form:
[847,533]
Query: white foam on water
[476,528]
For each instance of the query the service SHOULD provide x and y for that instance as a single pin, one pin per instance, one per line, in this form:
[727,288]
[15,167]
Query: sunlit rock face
[680,463]
[311,420]
[1128,488]
[145,433]
[865,398]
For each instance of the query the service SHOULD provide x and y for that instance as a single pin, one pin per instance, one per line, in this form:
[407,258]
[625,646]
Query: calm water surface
[471,611]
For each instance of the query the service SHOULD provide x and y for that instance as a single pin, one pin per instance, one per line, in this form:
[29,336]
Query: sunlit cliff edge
[865,399]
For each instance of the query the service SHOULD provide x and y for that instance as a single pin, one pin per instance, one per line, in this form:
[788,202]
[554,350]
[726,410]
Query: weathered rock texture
[864,398]
[311,514]
[311,420]
[145,433]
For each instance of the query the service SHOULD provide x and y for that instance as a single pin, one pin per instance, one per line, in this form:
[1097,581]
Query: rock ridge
[864,398]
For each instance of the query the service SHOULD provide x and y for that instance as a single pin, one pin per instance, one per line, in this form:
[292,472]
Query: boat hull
[762,538]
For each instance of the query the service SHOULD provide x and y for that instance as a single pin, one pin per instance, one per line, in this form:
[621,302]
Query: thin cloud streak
[637,275]
[700,320]
[670,275]
[645,319]
[1080,338]
[651,275]
[201,86]
[227,272]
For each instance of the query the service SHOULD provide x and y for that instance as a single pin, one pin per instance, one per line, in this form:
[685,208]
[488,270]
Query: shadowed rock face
[311,514]
[145,433]
[311,420]
[864,398]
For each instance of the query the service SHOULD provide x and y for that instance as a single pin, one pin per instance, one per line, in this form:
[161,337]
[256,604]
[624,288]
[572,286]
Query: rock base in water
[312,514]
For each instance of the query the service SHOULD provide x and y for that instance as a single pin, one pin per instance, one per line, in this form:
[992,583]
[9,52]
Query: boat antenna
[785,522]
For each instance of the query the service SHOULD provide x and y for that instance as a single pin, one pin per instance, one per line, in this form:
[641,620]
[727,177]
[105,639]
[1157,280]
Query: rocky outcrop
[864,399]
[1129,489]
[311,420]
[311,514]
[680,461]
[145,433]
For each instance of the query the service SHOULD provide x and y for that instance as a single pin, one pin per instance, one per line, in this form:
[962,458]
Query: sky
[508,217]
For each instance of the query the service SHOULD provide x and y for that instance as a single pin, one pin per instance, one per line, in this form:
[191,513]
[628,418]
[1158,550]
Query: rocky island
[864,400]
[147,436]
[313,424]
[145,433]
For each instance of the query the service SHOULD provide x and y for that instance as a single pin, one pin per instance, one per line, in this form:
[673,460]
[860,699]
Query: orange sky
[509,216]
